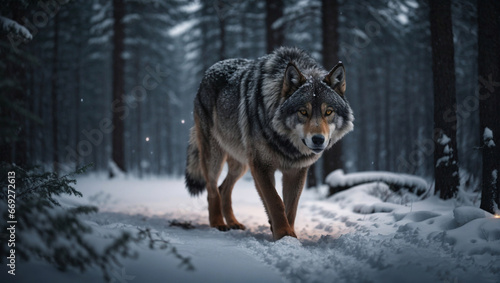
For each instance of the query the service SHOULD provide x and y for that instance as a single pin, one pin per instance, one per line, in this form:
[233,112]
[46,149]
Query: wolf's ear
[336,78]
[293,79]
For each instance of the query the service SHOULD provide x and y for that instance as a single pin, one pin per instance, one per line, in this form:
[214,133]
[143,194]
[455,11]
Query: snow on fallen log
[338,181]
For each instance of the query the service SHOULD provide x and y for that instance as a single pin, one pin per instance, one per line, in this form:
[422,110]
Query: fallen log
[338,181]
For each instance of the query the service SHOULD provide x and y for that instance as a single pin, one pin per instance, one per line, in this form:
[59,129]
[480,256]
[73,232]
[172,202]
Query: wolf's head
[314,112]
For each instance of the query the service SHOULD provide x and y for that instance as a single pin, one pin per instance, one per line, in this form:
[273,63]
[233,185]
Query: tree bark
[332,159]
[489,99]
[55,102]
[274,36]
[118,142]
[445,121]
[387,113]
[222,29]
[78,80]
[138,122]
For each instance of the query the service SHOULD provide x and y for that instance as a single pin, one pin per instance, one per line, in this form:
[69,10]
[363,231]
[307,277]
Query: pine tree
[13,78]
[489,101]
[274,35]
[445,121]
[118,139]
[332,159]
[54,95]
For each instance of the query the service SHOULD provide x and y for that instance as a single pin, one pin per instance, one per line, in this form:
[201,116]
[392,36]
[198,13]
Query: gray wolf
[278,112]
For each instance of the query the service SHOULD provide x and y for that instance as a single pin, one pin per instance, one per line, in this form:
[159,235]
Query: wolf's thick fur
[278,112]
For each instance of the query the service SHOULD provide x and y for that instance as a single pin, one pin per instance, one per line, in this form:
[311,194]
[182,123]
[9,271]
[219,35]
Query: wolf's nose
[318,139]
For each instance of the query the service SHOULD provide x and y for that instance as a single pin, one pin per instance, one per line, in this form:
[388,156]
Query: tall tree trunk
[489,100]
[206,57]
[55,110]
[387,113]
[244,50]
[77,110]
[169,134]
[222,29]
[41,112]
[377,104]
[332,159]
[274,36]
[118,141]
[140,139]
[445,121]
[78,81]
[159,143]
[32,98]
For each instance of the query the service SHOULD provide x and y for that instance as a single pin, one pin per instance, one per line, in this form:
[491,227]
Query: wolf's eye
[328,112]
[303,112]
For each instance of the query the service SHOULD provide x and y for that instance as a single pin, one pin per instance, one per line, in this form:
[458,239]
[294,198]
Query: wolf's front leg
[264,181]
[293,183]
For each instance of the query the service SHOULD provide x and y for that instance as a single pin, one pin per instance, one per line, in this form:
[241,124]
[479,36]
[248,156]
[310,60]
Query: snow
[116,171]
[445,159]
[447,150]
[488,137]
[9,25]
[182,28]
[412,4]
[357,235]
[100,27]
[444,140]
[488,133]
[466,214]
[402,18]
[338,179]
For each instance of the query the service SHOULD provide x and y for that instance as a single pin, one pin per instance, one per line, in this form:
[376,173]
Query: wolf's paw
[237,226]
[222,227]
[284,232]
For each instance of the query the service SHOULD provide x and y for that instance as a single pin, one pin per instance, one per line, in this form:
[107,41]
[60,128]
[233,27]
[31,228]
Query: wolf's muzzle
[316,143]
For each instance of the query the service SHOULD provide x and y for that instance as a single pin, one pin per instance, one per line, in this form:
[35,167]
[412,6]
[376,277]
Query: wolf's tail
[195,182]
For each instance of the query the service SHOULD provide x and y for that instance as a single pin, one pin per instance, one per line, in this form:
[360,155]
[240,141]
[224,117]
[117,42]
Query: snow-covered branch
[11,26]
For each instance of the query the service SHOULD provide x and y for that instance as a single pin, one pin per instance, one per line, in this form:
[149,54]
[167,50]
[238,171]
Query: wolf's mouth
[316,149]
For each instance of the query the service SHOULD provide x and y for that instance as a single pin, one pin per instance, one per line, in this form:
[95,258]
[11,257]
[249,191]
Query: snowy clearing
[351,237]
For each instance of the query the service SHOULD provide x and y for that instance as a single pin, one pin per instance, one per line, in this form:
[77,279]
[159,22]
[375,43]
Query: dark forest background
[137,65]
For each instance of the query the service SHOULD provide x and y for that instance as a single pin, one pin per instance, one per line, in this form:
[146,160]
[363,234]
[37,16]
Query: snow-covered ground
[353,236]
